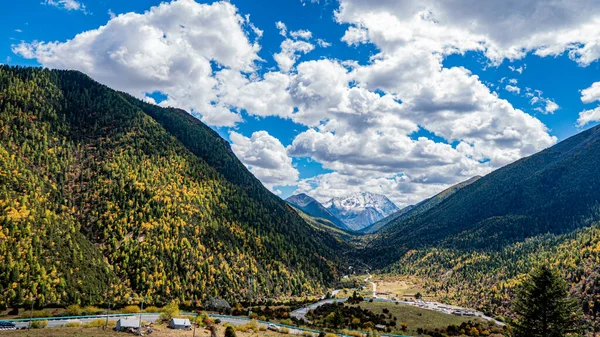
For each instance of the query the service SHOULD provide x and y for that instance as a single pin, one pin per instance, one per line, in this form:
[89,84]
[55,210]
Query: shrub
[131,309]
[229,332]
[96,323]
[169,311]
[331,335]
[284,330]
[307,334]
[217,321]
[153,309]
[74,310]
[39,324]
[92,310]
[73,325]
[287,321]
[36,314]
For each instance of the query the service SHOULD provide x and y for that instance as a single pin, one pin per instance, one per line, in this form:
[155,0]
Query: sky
[329,98]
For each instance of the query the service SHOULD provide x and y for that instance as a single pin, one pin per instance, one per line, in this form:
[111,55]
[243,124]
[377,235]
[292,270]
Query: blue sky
[398,99]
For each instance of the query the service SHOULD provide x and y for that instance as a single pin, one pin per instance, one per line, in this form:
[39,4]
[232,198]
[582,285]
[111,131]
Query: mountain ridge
[312,207]
[360,209]
[110,197]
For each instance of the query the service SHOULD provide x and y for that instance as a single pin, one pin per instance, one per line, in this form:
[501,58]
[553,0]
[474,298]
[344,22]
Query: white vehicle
[273,327]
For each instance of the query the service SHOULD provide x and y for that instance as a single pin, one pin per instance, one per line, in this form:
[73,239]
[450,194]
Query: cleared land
[417,317]
[397,287]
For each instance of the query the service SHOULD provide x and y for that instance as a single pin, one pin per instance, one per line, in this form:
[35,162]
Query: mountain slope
[360,210]
[420,208]
[555,191]
[476,245]
[312,207]
[103,197]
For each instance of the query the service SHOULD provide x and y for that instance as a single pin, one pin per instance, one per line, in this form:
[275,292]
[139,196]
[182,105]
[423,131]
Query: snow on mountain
[362,209]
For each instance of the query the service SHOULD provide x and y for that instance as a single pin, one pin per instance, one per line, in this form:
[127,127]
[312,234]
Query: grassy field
[160,331]
[398,287]
[416,317]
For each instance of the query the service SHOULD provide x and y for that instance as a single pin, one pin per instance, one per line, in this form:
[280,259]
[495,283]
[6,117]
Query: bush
[153,309]
[307,334]
[39,324]
[96,323]
[74,310]
[92,310]
[284,331]
[131,309]
[169,311]
[217,321]
[331,335]
[229,332]
[287,321]
[36,314]
[73,325]
[253,325]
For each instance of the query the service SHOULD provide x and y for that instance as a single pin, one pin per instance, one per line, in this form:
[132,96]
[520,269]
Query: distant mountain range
[312,207]
[362,209]
[420,208]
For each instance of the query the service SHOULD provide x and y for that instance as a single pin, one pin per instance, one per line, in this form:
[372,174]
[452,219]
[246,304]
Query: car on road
[273,327]
[7,325]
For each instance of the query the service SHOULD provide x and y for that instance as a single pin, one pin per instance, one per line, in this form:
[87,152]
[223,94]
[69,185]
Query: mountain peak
[361,209]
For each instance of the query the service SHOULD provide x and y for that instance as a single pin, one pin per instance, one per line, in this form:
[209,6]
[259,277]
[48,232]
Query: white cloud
[588,116]
[550,107]
[111,14]
[70,5]
[290,53]
[498,29]
[591,94]
[266,158]
[18,31]
[169,48]
[301,34]
[323,44]
[541,103]
[519,69]
[512,88]
[282,28]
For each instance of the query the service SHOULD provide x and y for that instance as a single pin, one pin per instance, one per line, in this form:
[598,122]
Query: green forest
[104,198]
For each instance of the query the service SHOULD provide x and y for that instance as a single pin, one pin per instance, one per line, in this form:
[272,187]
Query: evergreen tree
[229,332]
[544,307]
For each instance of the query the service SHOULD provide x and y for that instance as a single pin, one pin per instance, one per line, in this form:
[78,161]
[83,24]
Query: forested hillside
[104,197]
[476,245]
[416,210]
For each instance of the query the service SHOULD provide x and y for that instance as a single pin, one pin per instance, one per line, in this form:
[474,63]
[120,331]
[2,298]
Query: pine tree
[544,307]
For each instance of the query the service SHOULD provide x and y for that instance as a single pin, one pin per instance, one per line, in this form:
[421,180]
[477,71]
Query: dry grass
[398,287]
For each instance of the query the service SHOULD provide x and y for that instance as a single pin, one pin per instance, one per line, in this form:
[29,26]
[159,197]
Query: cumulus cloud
[323,44]
[492,27]
[400,124]
[290,53]
[590,95]
[70,5]
[513,88]
[175,48]
[266,158]
[588,116]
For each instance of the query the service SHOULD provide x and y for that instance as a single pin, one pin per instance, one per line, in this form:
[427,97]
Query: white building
[125,324]
[180,324]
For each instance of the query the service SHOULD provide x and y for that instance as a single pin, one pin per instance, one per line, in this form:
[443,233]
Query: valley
[107,199]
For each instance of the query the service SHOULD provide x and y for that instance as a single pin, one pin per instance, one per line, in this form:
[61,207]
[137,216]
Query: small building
[126,324]
[180,324]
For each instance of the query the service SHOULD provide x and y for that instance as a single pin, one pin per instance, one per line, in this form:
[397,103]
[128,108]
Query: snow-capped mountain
[362,209]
